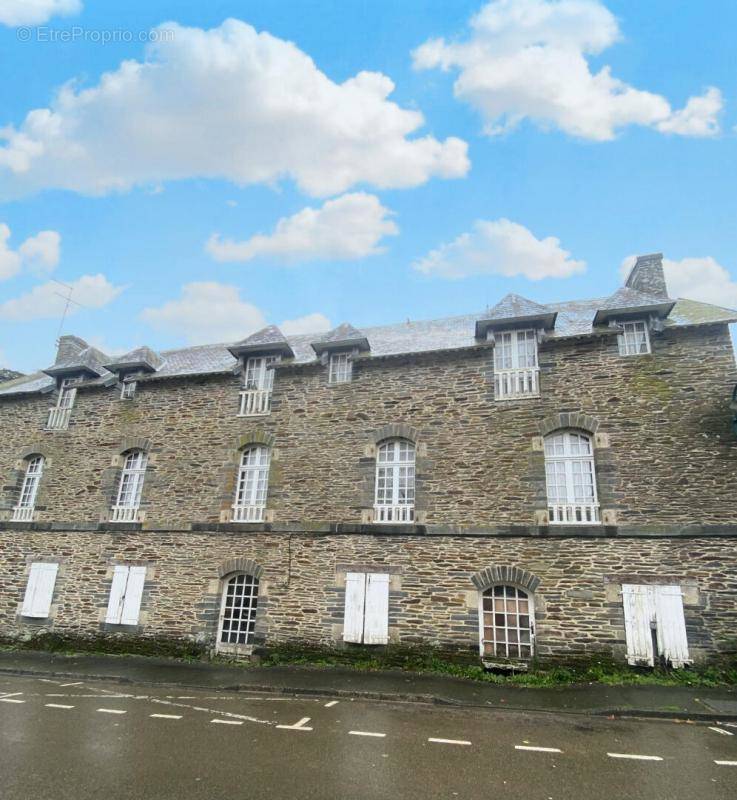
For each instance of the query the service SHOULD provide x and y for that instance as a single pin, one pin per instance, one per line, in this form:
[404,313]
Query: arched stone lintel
[494,576]
[259,436]
[578,420]
[247,565]
[31,450]
[134,443]
[395,430]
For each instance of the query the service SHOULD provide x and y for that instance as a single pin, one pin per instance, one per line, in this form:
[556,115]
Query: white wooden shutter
[639,611]
[40,590]
[117,596]
[672,640]
[376,614]
[133,595]
[355,598]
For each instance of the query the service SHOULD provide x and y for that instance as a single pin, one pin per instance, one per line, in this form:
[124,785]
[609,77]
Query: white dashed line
[298,726]
[634,757]
[721,730]
[331,703]
[548,750]
[10,700]
[165,716]
[78,683]
[726,763]
[227,721]
[11,694]
[56,705]
[366,733]
[111,711]
[449,741]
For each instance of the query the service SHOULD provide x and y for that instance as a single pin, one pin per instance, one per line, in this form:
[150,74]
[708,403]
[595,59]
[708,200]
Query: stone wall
[666,455]
[433,590]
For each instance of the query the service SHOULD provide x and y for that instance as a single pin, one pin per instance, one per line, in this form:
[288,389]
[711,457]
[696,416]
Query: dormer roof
[142,359]
[268,341]
[340,338]
[87,360]
[627,302]
[514,311]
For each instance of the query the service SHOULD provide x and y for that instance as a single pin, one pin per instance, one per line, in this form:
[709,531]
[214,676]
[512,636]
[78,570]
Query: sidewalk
[647,701]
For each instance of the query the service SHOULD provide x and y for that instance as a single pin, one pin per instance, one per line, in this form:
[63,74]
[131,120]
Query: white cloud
[40,253]
[347,228]
[500,247]
[310,323]
[527,59]
[208,312]
[228,103]
[700,278]
[45,301]
[35,12]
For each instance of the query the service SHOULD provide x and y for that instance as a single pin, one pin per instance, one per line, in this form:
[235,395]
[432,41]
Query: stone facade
[666,472]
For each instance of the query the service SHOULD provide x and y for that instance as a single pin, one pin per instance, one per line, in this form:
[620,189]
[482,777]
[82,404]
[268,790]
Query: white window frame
[340,367]
[501,634]
[636,333]
[569,469]
[130,487]
[128,390]
[366,610]
[252,484]
[39,590]
[394,495]
[653,613]
[126,594]
[516,364]
[240,617]
[258,384]
[60,413]
[23,512]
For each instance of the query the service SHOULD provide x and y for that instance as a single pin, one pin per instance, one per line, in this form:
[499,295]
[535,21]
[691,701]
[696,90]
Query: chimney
[647,276]
[68,347]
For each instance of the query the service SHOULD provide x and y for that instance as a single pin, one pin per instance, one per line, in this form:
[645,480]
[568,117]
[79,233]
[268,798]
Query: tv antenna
[68,301]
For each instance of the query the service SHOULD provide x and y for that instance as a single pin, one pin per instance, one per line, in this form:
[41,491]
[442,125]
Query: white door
[39,590]
[366,618]
[654,624]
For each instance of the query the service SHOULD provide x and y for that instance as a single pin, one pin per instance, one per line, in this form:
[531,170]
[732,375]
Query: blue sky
[555,140]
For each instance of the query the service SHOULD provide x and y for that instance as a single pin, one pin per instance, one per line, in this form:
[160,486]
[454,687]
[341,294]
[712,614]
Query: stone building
[535,481]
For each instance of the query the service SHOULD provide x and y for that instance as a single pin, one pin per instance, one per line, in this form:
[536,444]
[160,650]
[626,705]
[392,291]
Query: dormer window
[634,339]
[340,368]
[259,382]
[128,390]
[60,413]
[516,371]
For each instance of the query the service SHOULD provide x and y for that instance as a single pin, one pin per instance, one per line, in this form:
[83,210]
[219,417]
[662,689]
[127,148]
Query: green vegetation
[108,645]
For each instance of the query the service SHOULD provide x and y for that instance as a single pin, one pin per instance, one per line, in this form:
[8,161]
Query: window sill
[517,398]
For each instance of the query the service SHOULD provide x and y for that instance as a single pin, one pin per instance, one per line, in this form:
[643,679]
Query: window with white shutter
[126,592]
[39,590]
[655,626]
[366,618]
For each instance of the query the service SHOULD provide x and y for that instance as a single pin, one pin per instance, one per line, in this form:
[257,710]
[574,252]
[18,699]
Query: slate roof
[515,308]
[344,335]
[574,319]
[268,340]
[141,358]
[628,301]
[89,359]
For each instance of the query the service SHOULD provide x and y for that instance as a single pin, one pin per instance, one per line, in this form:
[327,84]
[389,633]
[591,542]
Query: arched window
[571,479]
[507,623]
[130,487]
[31,481]
[252,485]
[237,612]
[395,482]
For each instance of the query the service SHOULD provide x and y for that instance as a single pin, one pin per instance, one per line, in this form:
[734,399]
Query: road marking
[546,749]
[111,711]
[10,700]
[366,733]
[634,757]
[726,763]
[332,703]
[227,721]
[166,716]
[56,705]
[298,726]
[78,683]
[10,694]
[721,730]
[449,741]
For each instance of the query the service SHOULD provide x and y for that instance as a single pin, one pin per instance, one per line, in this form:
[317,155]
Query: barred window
[341,368]
[507,623]
[238,611]
[252,485]
[29,489]
[130,487]
[395,482]
[634,339]
[571,478]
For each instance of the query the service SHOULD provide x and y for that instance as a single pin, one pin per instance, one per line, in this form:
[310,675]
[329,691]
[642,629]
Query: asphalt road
[69,740]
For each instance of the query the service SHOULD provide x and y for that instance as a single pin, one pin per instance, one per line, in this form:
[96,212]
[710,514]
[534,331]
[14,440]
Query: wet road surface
[65,740]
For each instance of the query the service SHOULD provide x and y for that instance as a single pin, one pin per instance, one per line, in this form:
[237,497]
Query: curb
[393,697]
